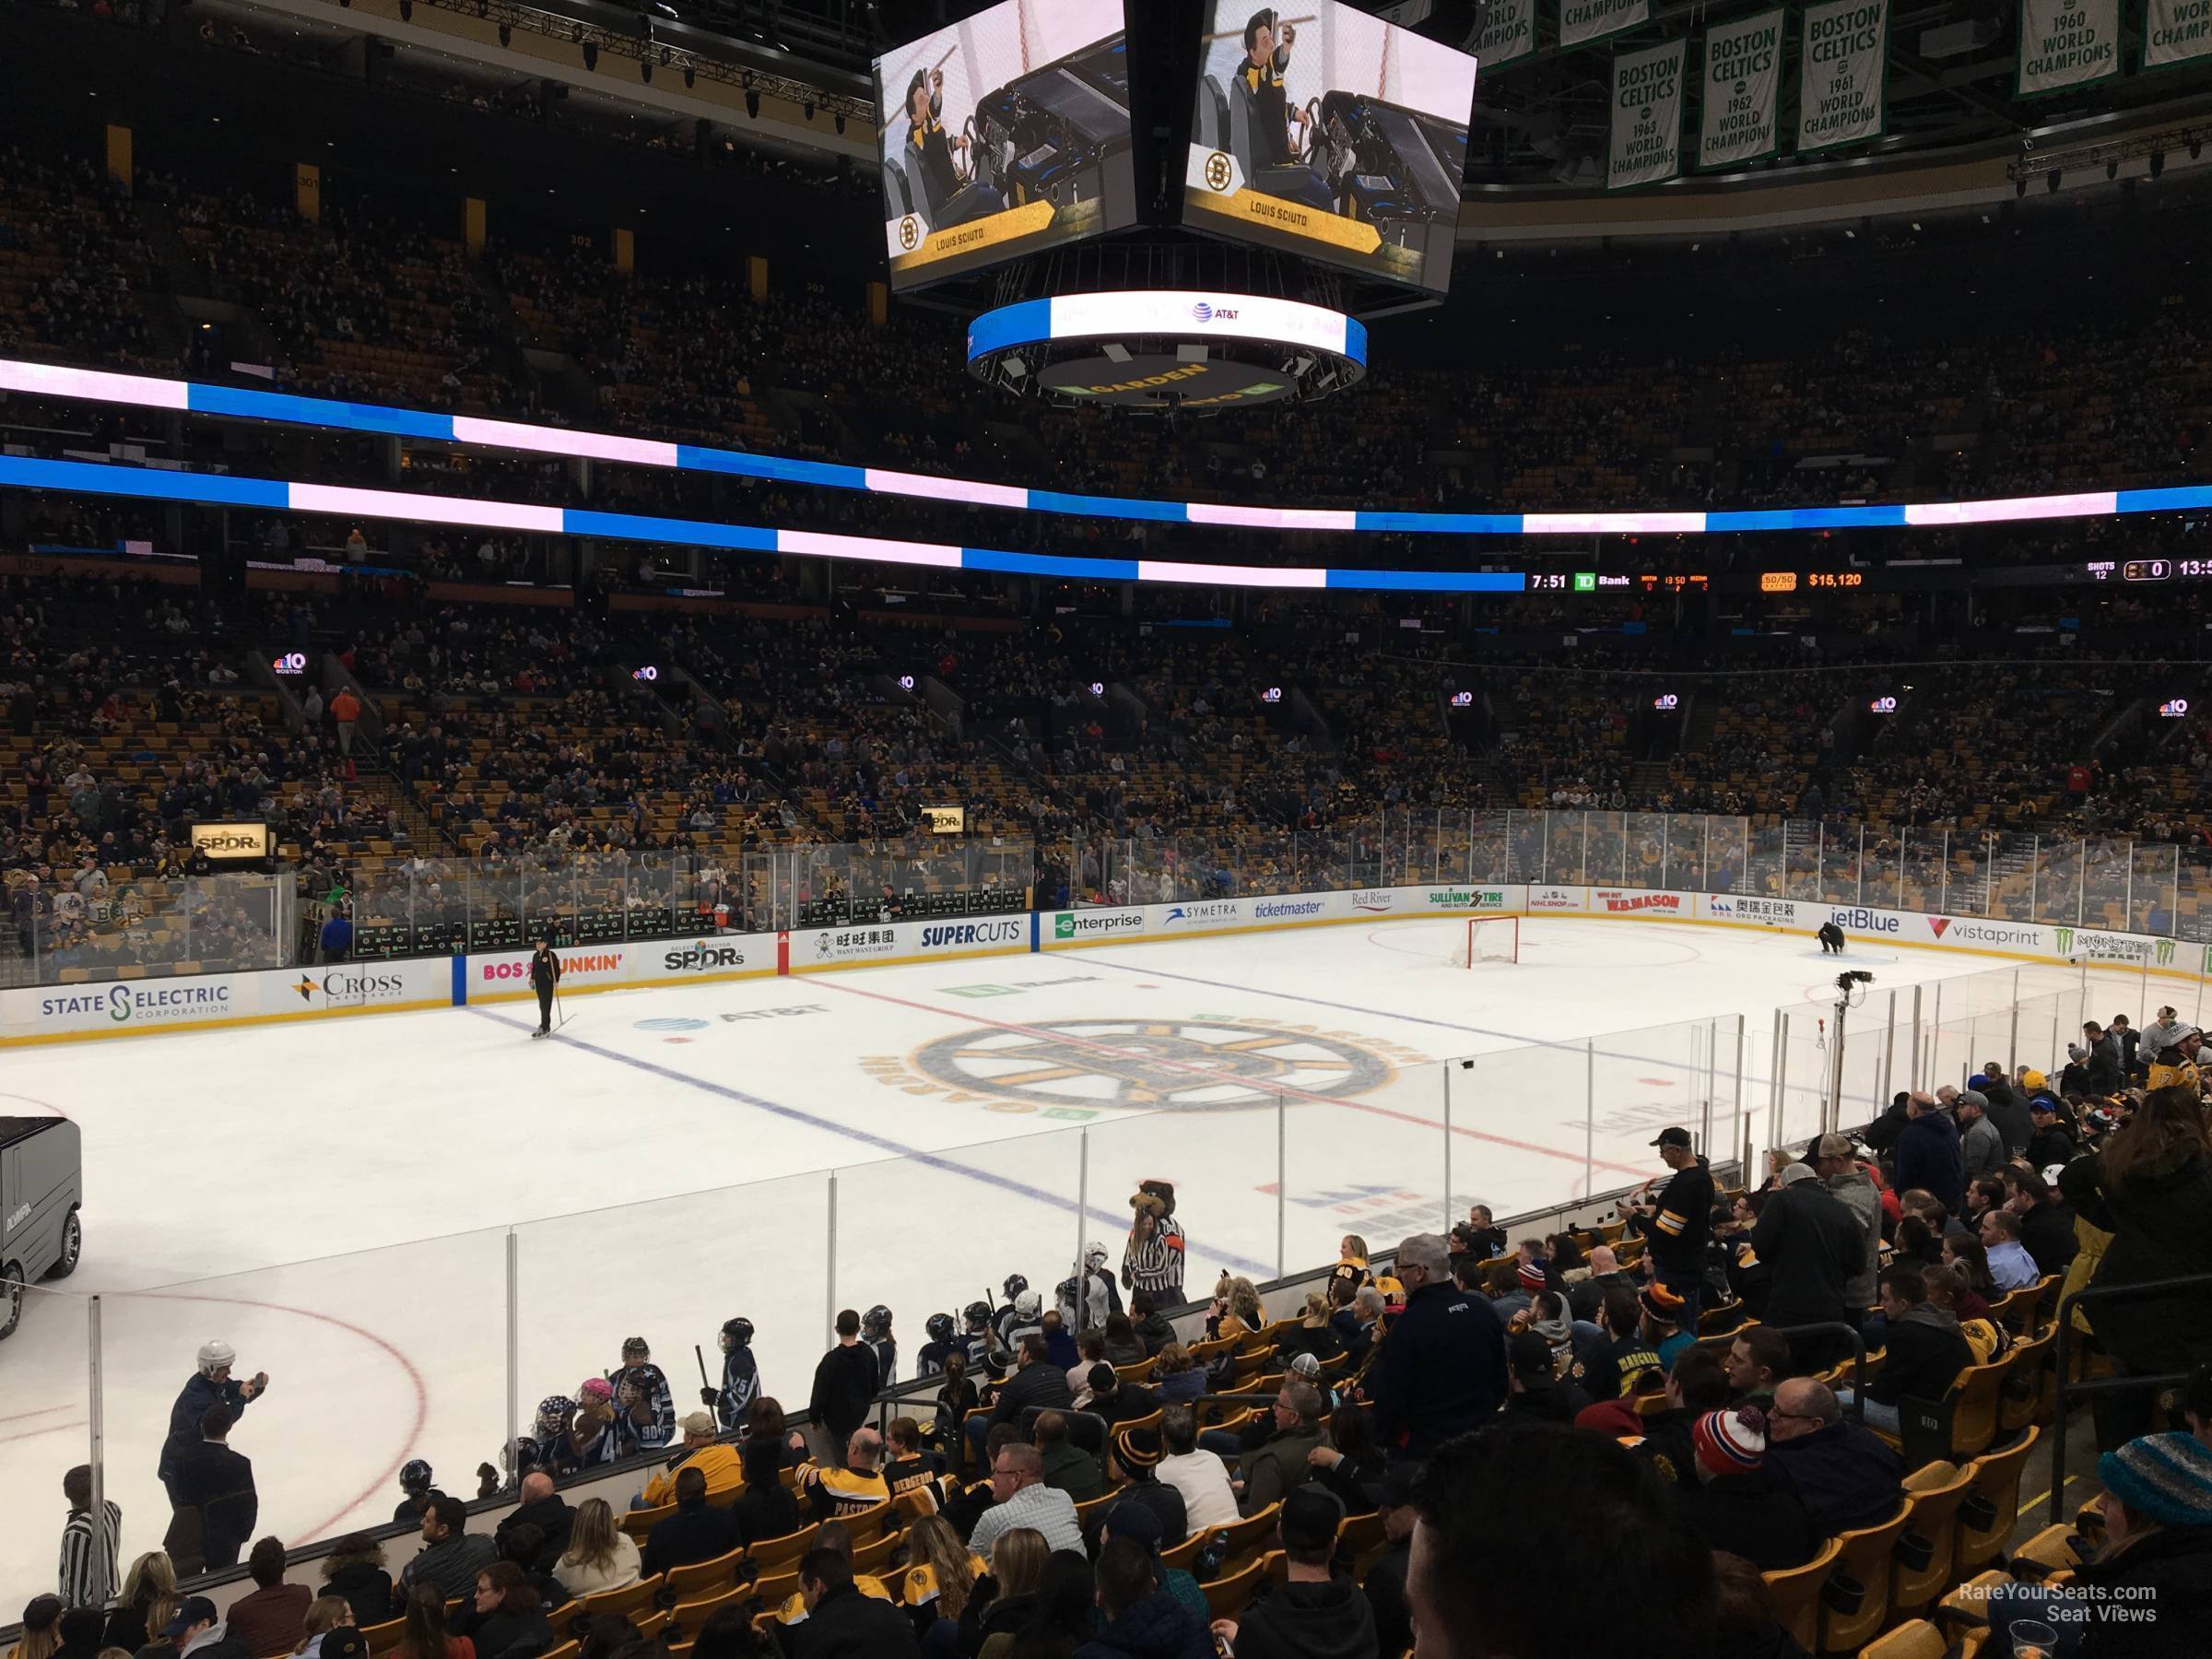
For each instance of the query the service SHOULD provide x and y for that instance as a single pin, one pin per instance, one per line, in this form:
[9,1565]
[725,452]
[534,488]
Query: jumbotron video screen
[1333,135]
[1004,135]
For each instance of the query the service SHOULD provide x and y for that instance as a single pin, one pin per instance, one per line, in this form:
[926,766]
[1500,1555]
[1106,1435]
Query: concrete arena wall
[130,1007]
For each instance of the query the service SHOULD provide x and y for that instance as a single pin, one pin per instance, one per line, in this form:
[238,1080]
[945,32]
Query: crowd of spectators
[1676,1386]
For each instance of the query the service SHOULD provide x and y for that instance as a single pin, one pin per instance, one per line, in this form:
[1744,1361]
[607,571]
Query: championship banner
[1843,74]
[1647,116]
[1738,116]
[2066,43]
[1508,32]
[1581,21]
[2174,32]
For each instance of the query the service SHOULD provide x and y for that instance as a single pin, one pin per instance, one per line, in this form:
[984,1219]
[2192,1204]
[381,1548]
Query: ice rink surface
[663,1165]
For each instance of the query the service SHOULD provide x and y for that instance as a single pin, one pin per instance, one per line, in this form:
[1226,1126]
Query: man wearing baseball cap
[717,1461]
[1836,1162]
[1678,1222]
[195,1630]
[1317,1614]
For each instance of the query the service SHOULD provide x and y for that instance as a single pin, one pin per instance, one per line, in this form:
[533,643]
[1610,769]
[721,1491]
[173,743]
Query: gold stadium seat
[1796,1592]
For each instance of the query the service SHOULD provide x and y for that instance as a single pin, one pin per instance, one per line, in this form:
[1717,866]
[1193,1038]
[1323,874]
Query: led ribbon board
[195,397]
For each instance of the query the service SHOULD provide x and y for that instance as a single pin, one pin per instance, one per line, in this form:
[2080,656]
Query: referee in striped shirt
[87,1571]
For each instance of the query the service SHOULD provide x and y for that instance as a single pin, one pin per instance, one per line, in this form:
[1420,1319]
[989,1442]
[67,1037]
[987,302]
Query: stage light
[506,35]
[590,55]
[689,76]
[810,111]
[752,105]
[2158,162]
[646,70]
[841,125]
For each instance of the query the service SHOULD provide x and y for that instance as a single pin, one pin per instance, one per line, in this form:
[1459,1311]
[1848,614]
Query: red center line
[830,982]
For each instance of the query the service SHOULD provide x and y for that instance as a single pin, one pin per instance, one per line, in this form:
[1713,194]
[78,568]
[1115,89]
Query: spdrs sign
[1843,82]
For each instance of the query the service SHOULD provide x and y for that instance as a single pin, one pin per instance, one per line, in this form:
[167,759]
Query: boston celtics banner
[1737,121]
[1509,31]
[1647,116]
[2176,30]
[1583,21]
[2067,43]
[1843,75]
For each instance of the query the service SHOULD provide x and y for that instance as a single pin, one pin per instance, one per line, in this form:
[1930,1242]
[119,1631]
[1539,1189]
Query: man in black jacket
[545,1509]
[1384,1585]
[1314,1614]
[844,1385]
[2046,1222]
[2007,1110]
[545,978]
[841,1622]
[1926,1350]
[219,1484]
[1678,1222]
[1840,1471]
[1812,1246]
[1442,1369]
[1035,1382]
[2053,1142]
[2102,1062]
[695,1532]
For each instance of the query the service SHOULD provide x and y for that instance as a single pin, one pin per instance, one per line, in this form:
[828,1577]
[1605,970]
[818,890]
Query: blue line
[930,1159]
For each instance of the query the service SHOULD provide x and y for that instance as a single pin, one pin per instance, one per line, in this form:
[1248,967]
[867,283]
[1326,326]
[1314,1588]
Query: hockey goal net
[1491,939]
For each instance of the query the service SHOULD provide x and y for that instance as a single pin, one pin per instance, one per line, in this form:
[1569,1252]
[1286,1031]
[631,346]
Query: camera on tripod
[1853,976]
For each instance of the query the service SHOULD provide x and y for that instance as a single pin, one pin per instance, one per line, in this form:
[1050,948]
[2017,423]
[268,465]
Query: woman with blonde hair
[1000,1604]
[1239,1310]
[150,1601]
[600,1555]
[941,1567]
[43,1628]
[324,1614]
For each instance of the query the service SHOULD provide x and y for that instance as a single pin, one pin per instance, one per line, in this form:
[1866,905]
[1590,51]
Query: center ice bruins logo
[910,233]
[1217,173]
[1077,1069]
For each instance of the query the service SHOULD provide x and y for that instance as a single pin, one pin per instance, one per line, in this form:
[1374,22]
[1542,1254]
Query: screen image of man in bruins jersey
[1268,43]
[941,154]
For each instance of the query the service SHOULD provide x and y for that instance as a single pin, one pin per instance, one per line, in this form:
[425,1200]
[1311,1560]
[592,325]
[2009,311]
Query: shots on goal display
[1330,134]
[1004,135]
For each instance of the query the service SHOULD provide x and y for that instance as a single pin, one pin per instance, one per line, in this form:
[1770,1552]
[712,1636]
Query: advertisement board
[128,1007]
[1004,134]
[1331,134]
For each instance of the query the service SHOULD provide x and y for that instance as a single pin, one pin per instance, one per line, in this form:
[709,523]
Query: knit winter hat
[1731,1440]
[596,1391]
[1532,1277]
[2166,1477]
[1661,1303]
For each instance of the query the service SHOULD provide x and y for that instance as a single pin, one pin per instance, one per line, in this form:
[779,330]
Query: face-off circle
[1150,1065]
